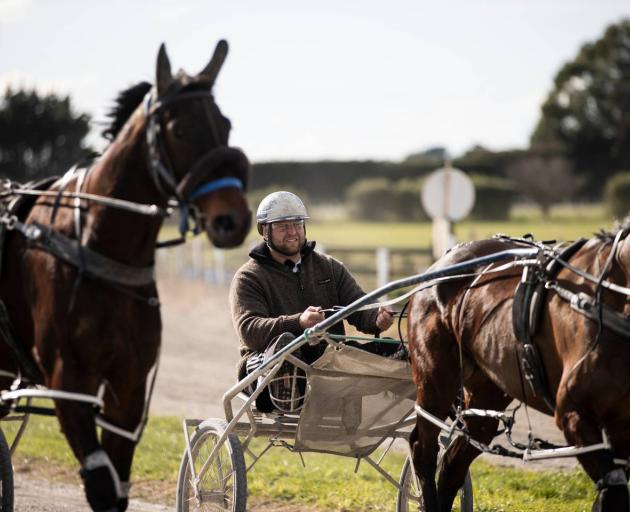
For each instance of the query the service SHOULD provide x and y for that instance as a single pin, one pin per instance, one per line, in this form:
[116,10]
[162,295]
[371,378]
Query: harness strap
[202,190]
[94,263]
[527,305]
[69,250]
[96,401]
[587,306]
[228,182]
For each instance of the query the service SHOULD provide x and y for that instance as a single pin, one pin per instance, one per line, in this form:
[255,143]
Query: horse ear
[164,78]
[210,72]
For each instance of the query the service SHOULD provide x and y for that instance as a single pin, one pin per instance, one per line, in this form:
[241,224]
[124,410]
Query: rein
[152,210]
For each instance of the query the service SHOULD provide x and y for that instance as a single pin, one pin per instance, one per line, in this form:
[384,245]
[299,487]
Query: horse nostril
[224,224]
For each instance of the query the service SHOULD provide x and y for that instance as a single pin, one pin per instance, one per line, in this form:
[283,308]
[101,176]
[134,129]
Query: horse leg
[79,428]
[127,415]
[77,422]
[481,393]
[120,451]
[434,358]
[611,480]
[424,451]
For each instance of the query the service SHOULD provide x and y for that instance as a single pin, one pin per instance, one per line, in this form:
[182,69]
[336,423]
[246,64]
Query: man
[285,286]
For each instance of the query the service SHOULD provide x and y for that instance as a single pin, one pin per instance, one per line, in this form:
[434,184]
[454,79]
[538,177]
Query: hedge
[493,197]
[617,195]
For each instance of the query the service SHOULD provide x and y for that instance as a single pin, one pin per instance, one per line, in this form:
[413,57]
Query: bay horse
[464,351]
[77,282]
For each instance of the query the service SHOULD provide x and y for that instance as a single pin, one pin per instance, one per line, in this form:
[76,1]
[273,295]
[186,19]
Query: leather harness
[529,299]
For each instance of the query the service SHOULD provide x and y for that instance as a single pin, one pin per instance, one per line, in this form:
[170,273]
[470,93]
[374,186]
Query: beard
[287,248]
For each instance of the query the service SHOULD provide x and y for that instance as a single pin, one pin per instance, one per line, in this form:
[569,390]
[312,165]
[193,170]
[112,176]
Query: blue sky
[326,79]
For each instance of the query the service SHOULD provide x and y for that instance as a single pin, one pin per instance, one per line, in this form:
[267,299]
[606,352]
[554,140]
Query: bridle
[195,182]
[199,180]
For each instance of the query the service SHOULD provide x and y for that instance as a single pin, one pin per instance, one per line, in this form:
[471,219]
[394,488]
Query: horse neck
[623,259]
[596,259]
[122,173]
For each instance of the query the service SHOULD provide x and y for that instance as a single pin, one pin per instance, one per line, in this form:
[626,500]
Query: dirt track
[199,354]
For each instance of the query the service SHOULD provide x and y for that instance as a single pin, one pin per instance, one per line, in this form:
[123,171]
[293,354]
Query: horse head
[189,155]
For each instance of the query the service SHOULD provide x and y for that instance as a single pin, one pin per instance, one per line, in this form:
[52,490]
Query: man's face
[287,236]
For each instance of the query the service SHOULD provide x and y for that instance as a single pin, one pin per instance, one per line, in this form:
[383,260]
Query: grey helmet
[280,206]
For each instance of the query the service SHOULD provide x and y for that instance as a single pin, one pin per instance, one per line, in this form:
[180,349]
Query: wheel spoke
[222,486]
[215,488]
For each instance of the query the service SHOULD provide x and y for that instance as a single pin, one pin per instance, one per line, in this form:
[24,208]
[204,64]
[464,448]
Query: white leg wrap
[100,459]
[615,477]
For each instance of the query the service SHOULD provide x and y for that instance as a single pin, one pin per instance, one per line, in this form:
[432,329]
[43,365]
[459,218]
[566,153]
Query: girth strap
[93,263]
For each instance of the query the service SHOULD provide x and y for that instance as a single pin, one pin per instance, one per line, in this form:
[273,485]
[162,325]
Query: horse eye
[177,129]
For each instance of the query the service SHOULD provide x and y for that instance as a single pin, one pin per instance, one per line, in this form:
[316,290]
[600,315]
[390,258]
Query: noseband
[199,180]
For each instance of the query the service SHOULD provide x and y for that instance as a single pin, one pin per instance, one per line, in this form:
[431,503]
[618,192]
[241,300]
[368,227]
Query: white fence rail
[195,260]
[373,267]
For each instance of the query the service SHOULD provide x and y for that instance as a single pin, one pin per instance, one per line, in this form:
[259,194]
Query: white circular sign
[448,194]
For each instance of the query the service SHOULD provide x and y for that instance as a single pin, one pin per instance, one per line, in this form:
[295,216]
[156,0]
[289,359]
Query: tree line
[40,135]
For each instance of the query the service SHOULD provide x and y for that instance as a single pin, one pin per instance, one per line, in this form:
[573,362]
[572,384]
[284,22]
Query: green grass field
[564,223]
[327,483]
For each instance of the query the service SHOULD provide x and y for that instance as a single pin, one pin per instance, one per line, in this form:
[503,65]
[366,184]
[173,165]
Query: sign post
[448,195]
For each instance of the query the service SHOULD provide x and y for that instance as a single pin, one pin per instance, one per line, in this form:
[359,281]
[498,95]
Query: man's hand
[312,315]
[384,319]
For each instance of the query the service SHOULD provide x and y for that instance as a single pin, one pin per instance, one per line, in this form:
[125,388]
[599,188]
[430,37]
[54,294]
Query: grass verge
[327,483]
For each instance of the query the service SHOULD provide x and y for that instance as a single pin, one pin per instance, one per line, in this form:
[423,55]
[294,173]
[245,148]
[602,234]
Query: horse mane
[608,236]
[125,103]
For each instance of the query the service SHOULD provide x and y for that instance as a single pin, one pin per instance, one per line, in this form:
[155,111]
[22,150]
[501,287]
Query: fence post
[219,266]
[197,258]
[382,266]
[179,260]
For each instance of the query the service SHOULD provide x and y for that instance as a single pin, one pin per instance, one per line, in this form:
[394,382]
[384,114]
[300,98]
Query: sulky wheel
[223,487]
[410,496]
[6,476]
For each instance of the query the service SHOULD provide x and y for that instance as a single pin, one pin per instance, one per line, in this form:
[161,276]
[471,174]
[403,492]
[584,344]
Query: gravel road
[197,366]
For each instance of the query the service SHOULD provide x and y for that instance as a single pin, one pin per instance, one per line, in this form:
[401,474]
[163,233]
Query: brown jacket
[267,297]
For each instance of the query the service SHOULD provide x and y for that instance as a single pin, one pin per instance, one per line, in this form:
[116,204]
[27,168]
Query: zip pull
[296,268]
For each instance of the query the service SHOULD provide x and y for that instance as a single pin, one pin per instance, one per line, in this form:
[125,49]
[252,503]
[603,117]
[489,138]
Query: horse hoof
[100,490]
